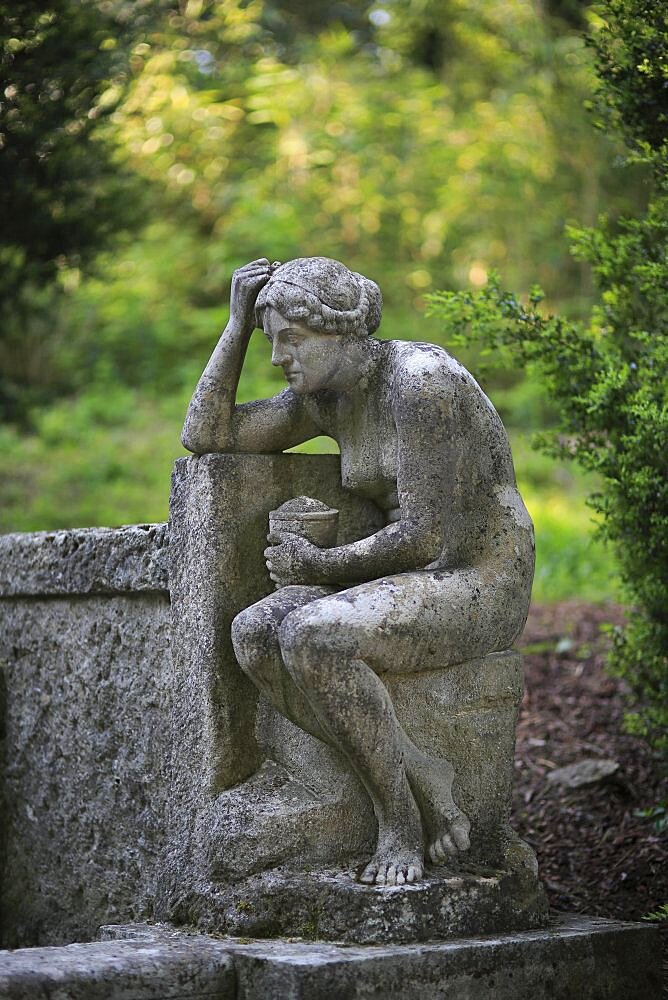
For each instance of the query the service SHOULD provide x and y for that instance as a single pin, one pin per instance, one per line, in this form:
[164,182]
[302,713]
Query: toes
[379,873]
[460,835]
[447,844]
[441,848]
[368,876]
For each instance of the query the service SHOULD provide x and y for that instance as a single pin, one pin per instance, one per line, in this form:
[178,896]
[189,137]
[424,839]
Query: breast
[369,469]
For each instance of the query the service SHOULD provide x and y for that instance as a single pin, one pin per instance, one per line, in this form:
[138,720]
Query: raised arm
[214,423]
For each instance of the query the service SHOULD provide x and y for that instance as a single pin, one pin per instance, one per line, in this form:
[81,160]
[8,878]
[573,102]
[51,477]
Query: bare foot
[446,826]
[399,856]
[393,864]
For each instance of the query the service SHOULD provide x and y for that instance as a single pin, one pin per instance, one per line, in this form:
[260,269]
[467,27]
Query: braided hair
[324,295]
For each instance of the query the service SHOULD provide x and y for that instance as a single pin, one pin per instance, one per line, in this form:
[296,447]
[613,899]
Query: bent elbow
[197,437]
[191,442]
[197,443]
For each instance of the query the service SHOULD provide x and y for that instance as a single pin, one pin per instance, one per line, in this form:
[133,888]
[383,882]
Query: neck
[361,362]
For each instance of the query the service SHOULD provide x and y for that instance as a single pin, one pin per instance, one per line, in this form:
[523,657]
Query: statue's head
[324,295]
[318,316]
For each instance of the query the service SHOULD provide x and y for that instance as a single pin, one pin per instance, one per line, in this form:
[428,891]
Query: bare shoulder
[423,371]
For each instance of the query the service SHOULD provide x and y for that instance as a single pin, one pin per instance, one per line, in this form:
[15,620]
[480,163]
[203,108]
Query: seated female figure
[447,579]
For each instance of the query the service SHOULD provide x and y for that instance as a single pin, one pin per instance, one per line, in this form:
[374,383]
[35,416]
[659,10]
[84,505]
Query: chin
[298,384]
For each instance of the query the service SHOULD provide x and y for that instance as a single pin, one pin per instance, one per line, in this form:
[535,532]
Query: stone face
[172,968]
[86,725]
[146,804]
[85,784]
[298,806]
[332,906]
[217,534]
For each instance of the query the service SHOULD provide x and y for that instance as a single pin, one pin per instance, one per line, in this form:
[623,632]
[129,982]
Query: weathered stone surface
[297,803]
[443,579]
[332,906]
[84,561]
[590,959]
[465,713]
[87,745]
[576,957]
[141,740]
[219,515]
[171,967]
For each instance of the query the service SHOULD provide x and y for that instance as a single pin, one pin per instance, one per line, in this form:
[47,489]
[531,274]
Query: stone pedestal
[332,906]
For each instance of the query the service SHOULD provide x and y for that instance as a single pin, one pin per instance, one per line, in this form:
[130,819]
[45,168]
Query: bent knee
[310,641]
[254,635]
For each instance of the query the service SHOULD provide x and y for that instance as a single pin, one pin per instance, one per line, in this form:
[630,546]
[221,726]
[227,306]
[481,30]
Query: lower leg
[354,710]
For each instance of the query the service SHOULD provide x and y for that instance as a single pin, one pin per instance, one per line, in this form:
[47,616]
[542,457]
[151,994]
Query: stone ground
[596,854]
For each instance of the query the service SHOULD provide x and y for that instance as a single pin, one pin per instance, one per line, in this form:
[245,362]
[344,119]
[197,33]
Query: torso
[364,425]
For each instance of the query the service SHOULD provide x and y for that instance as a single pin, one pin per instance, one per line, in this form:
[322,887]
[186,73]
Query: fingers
[255,263]
[276,540]
[261,265]
[255,277]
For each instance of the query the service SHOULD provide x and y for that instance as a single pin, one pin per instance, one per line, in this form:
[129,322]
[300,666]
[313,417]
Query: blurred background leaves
[149,148]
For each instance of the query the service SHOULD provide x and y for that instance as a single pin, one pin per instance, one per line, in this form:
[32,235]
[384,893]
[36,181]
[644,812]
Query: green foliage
[608,379]
[632,55]
[658,814]
[352,144]
[424,142]
[63,191]
[658,916]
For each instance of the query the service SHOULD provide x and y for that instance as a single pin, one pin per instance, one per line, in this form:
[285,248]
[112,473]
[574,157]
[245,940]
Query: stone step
[576,957]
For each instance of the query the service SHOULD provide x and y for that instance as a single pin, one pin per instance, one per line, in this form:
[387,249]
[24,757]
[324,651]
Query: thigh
[270,611]
[414,621]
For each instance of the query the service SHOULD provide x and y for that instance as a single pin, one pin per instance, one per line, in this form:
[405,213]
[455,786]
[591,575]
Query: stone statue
[446,579]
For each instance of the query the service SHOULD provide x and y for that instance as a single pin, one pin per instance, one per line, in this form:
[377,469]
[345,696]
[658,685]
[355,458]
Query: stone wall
[85,702]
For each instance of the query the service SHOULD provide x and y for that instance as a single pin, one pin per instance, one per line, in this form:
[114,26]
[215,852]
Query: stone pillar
[218,525]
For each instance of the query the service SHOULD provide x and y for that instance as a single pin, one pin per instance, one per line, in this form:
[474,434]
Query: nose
[279,355]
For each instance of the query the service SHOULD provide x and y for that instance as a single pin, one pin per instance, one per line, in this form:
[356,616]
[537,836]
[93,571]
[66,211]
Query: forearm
[397,548]
[208,424]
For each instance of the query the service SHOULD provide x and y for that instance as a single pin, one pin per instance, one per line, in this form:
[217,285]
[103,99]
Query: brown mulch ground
[596,855]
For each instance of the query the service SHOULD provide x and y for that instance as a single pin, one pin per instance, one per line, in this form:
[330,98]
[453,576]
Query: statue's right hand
[246,284]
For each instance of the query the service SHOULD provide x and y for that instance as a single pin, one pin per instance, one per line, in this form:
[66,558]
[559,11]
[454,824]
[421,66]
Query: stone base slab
[576,957]
[332,906]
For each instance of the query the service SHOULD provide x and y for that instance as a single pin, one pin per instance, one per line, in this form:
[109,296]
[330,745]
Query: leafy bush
[608,378]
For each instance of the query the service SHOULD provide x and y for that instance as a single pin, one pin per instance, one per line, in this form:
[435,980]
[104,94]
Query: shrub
[608,378]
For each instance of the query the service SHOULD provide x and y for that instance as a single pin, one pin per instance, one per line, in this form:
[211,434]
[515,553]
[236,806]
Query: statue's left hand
[293,560]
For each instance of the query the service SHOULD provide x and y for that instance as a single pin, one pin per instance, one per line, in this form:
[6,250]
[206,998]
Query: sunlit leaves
[350,148]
